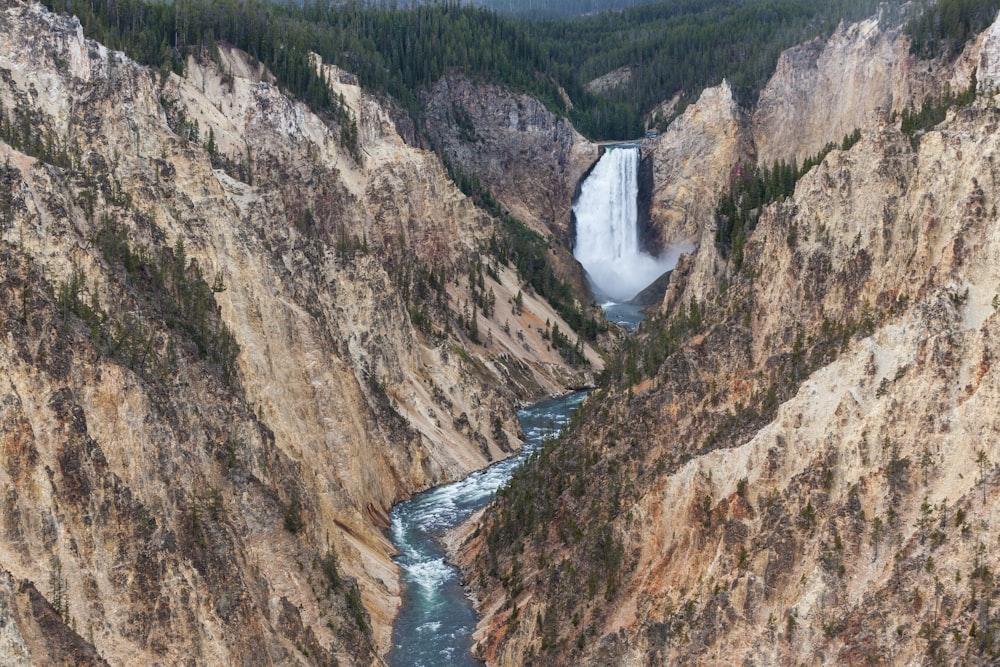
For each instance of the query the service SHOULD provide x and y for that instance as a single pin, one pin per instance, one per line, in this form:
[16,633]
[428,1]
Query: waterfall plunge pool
[627,315]
[436,620]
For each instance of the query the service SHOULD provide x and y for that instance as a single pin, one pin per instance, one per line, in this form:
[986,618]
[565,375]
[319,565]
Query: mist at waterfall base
[436,620]
[607,235]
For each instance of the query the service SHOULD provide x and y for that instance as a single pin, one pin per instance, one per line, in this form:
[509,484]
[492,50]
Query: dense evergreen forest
[945,26]
[554,9]
[671,46]
[683,46]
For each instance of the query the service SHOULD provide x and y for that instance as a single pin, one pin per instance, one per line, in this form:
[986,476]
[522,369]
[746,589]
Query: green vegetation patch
[754,187]
[671,46]
[943,28]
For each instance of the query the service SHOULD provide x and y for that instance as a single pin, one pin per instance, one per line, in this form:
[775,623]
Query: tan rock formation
[193,499]
[802,469]
[691,165]
[822,91]
[608,82]
[527,158]
[33,633]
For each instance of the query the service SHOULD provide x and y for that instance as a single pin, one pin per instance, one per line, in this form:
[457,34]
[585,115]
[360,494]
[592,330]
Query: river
[436,620]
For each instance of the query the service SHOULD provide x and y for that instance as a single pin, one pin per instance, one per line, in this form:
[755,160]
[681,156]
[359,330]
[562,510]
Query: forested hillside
[945,26]
[552,9]
[683,46]
[670,47]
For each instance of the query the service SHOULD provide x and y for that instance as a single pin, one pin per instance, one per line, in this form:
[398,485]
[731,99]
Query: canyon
[231,341]
[795,462]
[234,333]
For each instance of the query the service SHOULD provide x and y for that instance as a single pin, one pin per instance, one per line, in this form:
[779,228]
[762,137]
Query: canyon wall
[691,164]
[820,92]
[231,338]
[798,460]
[531,159]
[528,159]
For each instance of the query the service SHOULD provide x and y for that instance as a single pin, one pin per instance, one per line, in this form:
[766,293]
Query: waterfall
[607,236]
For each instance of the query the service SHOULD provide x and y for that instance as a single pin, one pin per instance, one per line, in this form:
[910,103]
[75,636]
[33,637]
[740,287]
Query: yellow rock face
[810,477]
[175,510]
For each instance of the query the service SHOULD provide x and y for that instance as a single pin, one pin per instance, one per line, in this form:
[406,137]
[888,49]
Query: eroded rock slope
[231,338]
[798,461]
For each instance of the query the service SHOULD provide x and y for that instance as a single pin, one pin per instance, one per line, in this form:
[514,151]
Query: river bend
[436,620]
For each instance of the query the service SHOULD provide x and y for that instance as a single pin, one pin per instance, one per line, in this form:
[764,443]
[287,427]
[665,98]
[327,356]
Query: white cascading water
[607,235]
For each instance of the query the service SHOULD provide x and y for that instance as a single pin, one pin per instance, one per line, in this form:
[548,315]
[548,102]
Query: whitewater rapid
[436,620]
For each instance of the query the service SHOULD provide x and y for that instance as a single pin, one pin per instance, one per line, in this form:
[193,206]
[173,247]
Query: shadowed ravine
[436,621]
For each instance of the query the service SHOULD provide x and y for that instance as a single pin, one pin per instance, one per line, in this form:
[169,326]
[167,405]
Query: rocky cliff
[233,334]
[820,92]
[691,163]
[823,90]
[518,149]
[525,156]
[797,462]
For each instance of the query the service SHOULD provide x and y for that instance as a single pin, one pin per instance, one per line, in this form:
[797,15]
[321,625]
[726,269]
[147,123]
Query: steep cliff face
[800,467]
[692,162]
[231,339]
[987,54]
[530,160]
[820,92]
[33,632]
[830,88]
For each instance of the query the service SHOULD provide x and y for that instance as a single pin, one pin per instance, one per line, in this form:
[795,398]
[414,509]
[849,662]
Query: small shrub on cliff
[914,122]
[331,570]
[357,610]
[752,188]
[57,588]
[293,521]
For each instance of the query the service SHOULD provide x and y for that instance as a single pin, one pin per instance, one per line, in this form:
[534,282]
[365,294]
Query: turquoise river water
[435,624]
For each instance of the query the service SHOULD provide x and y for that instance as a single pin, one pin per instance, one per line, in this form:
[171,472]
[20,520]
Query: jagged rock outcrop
[823,90]
[608,82]
[527,158]
[987,59]
[229,341]
[800,468]
[691,165]
[32,632]
[530,159]
[820,92]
